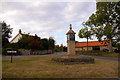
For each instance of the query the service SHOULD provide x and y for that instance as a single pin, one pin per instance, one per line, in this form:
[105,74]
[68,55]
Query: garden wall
[36,52]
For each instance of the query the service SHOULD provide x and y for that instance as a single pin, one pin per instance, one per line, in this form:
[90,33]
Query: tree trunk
[110,45]
[87,44]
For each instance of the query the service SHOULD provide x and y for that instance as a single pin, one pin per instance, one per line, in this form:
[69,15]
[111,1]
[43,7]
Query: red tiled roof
[91,43]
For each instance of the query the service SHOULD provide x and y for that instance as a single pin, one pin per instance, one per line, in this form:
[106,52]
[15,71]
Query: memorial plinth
[70,42]
[71,57]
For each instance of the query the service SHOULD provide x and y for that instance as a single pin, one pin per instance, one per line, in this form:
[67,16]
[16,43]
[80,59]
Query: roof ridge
[91,41]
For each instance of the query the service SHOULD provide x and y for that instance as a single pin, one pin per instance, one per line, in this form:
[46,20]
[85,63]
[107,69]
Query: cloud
[47,18]
[75,12]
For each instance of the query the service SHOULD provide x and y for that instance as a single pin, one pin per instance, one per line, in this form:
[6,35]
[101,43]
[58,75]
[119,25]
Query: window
[72,37]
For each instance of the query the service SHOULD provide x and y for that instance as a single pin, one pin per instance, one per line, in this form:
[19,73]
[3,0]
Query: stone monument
[70,42]
[71,58]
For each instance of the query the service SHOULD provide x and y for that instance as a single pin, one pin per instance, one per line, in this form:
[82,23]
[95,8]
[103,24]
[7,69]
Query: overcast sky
[46,19]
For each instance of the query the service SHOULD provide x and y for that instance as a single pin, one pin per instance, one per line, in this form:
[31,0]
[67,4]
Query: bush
[79,60]
[4,52]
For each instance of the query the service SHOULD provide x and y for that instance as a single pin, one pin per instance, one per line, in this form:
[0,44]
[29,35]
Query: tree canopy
[51,43]
[6,33]
[106,21]
[34,43]
[85,33]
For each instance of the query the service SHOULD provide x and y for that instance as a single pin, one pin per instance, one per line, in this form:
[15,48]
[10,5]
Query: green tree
[57,49]
[61,47]
[44,44]
[29,42]
[6,33]
[24,42]
[106,21]
[35,43]
[85,33]
[51,43]
[64,48]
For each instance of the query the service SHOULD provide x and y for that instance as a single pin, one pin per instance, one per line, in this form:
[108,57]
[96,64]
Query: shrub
[4,52]
[74,60]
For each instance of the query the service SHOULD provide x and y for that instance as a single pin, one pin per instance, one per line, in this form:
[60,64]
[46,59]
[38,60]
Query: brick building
[92,45]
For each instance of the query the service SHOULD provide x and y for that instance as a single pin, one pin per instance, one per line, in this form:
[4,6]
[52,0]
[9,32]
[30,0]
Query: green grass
[98,53]
[43,67]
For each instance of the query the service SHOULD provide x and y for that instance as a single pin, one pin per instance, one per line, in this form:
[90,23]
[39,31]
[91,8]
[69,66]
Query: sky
[47,19]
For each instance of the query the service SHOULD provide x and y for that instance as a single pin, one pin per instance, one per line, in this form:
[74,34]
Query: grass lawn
[98,53]
[43,67]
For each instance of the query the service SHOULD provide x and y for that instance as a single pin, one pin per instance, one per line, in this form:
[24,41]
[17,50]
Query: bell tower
[70,41]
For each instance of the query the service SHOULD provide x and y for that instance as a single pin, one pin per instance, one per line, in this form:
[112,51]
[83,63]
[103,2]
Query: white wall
[16,38]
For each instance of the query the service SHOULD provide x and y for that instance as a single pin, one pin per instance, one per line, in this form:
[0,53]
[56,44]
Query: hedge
[81,60]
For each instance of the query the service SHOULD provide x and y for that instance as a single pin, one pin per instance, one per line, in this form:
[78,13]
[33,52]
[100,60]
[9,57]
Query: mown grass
[43,67]
[98,53]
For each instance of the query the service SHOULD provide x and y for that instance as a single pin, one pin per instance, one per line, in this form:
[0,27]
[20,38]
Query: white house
[17,37]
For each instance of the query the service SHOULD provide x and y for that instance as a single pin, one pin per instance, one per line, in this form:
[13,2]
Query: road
[61,53]
[24,56]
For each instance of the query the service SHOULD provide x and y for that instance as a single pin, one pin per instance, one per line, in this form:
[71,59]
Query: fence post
[11,57]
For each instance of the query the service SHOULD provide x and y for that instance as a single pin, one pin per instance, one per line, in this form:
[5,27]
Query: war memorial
[71,57]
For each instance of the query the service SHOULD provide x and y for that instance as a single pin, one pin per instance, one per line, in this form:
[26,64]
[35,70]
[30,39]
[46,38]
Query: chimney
[35,34]
[20,31]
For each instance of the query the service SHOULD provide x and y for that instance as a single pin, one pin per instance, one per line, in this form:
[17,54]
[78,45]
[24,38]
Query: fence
[36,52]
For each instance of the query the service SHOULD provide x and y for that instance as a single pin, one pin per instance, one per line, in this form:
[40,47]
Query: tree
[51,43]
[57,49]
[29,42]
[64,48]
[85,33]
[35,42]
[61,47]
[44,44]
[24,42]
[6,33]
[106,21]
[35,45]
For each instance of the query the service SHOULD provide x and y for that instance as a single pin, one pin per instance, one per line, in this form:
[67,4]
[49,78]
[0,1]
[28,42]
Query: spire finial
[70,26]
